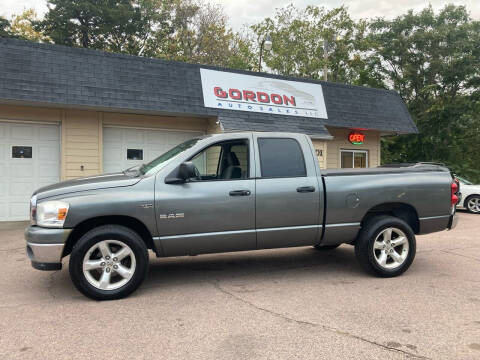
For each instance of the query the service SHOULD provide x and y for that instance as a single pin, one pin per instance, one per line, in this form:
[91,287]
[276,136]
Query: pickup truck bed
[411,193]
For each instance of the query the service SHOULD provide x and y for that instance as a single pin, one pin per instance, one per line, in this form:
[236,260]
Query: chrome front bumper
[45,246]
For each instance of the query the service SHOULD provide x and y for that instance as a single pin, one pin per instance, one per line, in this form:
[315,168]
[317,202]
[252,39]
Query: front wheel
[108,262]
[473,204]
[386,246]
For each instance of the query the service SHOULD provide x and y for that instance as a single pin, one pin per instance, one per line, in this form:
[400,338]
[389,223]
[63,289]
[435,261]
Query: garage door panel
[155,151]
[48,133]
[174,139]
[135,136]
[19,188]
[112,135]
[22,176]
[45,182]
[153,143]
[157,138]
[44,172]
[114,153]
[4,153]
[21,170]
[4,207]
[3,189]
[48,153]
[18,210]
[21,132]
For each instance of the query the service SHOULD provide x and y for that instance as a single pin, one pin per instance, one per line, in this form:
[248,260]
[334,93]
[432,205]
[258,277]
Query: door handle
[239,193]
[305,189]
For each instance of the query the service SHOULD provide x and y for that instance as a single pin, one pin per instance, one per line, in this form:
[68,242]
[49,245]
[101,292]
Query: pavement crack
[464,256]
[316,325]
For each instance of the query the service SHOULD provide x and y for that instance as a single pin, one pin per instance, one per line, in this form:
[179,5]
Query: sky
[249,12]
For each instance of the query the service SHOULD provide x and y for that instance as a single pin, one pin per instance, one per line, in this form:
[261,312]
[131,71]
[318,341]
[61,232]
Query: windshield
[154,165]
[465,181]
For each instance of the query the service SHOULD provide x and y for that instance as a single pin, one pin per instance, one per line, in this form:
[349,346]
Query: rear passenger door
[288,200]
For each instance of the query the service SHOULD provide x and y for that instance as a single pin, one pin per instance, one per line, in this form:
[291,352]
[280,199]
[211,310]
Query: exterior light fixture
[267,45]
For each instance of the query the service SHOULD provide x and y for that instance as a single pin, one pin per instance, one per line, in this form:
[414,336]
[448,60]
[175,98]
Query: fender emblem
[172,216]
[147,206]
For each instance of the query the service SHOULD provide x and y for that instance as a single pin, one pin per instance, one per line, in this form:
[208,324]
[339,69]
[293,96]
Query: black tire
[96,235]
[326,247]
[467,200]
[365,242]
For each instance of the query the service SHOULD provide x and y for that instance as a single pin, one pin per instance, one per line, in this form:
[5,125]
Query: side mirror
[187,171]
[180,175]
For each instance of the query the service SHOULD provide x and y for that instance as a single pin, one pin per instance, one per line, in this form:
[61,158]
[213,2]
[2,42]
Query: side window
[207,161]
[354,158]
[281,157]
[227,160]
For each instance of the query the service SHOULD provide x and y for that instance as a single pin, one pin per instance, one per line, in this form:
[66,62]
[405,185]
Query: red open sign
[356,138]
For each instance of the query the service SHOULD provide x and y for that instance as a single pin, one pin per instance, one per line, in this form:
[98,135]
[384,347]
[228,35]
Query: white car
[470,196]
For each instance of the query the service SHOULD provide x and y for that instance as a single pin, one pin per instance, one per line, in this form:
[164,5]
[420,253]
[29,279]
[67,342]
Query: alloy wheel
[390,248]
[474,204]
[109,264]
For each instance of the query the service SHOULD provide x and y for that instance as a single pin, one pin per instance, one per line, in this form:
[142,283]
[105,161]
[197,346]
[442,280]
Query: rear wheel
[473,204]
[386,246]
[108,262]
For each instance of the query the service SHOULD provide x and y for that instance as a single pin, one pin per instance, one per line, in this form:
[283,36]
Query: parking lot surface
[274,304]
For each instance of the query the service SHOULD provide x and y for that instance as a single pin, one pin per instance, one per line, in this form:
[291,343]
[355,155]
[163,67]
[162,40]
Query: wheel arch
[403,211]
[126,221]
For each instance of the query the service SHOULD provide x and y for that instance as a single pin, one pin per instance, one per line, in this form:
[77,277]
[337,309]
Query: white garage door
[127,147]
[29,159]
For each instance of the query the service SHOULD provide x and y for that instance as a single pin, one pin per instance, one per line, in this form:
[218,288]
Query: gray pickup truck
[233,192]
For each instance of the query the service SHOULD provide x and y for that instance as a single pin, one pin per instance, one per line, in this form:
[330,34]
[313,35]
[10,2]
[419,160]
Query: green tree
[298,48]
[433,61]
[201,35]
[112,25]
[4,27]
[22,26]
[184,30]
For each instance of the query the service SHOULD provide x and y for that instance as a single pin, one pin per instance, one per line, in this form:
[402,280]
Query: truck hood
[85,184]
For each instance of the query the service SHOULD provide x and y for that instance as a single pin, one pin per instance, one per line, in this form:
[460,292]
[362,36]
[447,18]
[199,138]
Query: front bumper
[45,246]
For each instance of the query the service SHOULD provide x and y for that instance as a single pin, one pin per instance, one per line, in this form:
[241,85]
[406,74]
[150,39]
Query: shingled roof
[56,75]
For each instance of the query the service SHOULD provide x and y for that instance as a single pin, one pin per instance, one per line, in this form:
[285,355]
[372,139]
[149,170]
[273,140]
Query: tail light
[454,191]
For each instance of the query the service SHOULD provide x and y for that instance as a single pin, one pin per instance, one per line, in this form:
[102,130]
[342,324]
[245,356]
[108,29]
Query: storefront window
[354,159]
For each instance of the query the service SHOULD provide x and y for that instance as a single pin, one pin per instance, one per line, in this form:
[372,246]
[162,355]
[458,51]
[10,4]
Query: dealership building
[71,112]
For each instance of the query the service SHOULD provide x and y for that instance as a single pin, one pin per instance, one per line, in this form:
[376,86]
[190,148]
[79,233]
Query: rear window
[281,157]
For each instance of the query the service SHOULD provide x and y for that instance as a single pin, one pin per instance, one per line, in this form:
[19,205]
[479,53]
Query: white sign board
[230,91]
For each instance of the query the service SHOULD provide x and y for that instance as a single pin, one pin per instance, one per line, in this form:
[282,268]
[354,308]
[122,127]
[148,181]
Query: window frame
[353,151]
[135,149]
[280,177]
[247,143]
[21,146]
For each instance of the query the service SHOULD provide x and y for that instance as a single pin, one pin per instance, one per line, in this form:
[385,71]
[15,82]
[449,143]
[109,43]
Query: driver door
[214,212]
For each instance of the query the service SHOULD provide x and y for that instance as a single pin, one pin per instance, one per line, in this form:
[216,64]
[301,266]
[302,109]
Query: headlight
[52,213]
[33,210]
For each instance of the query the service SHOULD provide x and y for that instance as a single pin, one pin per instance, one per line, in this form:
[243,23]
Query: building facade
[67,113]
